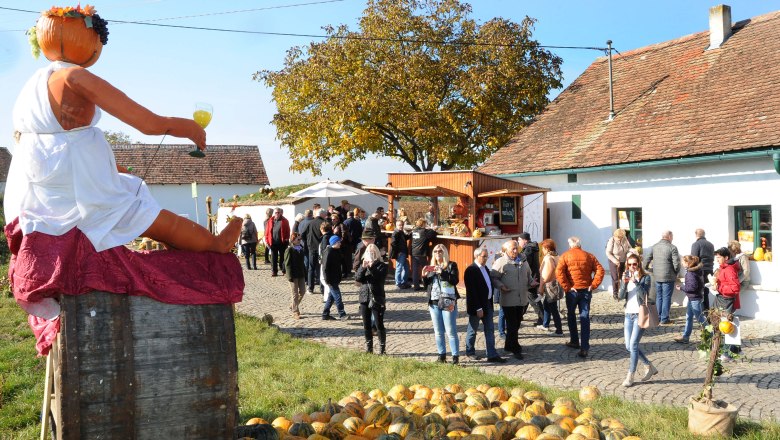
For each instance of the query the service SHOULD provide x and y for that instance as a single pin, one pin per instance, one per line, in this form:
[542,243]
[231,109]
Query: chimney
[720,25]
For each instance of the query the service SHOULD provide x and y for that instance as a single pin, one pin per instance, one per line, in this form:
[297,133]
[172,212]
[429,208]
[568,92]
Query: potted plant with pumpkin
[706,415]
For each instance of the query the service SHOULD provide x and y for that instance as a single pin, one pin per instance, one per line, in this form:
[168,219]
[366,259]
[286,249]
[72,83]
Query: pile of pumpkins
[762,254]
[450,413]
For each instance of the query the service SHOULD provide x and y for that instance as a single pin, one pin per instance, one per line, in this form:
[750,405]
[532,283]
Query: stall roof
[417,191]
[513,192]
[459,183]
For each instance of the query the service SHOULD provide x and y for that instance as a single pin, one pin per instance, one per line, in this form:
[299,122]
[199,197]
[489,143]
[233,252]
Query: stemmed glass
[202,115]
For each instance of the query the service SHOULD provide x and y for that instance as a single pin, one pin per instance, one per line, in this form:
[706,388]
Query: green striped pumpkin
[377,414]
[479,400]
[301,429]
[484,417]
[488,431]
[435,431]
[335,431]
[354,425]
[433,418]
[331,408]
[401,427]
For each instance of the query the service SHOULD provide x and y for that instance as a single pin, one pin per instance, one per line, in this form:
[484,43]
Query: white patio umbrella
[329,188]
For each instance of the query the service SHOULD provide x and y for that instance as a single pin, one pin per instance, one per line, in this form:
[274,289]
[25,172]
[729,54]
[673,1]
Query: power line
[341,37]
[239,11]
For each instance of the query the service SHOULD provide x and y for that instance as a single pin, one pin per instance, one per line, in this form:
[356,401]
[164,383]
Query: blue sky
[168,70]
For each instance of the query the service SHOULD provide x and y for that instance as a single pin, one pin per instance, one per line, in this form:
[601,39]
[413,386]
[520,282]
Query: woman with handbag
[441,279]
[549,287]
[371,296]
[635,290]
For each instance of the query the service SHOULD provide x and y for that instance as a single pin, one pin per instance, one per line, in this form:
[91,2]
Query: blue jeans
[633,333]
[444,321]
[501,322]
[335,296]
[250,249]
[314,270]
[401,269]
[579,299]
[490,337]
[693,312]
[501,319]
[664,290]
[551,311]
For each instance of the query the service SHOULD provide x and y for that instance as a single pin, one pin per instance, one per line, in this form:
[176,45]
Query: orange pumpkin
[726,327]
[68,39]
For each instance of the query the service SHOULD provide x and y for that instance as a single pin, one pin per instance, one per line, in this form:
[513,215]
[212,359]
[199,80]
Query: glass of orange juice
[202,114]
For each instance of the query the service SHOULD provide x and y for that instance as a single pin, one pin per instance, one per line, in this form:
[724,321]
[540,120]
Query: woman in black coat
[295,270]
[371,296]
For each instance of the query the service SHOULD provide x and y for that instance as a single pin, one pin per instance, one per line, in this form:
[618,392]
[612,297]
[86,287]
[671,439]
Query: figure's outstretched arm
[112,100]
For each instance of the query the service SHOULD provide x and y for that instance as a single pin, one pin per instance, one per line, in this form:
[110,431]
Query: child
[693,288]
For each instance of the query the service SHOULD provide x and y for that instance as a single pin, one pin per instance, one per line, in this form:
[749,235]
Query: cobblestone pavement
[753,386]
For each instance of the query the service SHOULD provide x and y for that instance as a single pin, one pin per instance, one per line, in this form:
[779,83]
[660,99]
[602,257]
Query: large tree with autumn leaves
[420,81]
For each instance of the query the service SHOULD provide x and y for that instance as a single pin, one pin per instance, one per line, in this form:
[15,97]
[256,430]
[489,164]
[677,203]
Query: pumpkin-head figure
[73,35]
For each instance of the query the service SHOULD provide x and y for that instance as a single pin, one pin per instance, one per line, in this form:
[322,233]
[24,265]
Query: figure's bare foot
[229,236]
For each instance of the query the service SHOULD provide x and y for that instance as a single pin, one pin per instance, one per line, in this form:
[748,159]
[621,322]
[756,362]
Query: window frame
[755,214]
[631,217]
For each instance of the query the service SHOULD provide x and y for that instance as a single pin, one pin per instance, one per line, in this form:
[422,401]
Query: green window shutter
[576,206]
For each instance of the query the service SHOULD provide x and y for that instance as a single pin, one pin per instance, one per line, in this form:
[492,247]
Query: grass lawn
[281,375]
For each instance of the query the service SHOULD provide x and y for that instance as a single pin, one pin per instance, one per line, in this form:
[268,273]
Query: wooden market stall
[488,204]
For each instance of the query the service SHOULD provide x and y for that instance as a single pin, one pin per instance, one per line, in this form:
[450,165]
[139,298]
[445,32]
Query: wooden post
[390,212]
[714,319]
[435,204]
[47,390]
[211,223]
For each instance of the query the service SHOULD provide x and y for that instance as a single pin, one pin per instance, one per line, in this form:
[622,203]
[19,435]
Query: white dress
[60,179]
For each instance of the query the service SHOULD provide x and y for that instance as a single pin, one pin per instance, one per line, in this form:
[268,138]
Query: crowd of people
[325,247]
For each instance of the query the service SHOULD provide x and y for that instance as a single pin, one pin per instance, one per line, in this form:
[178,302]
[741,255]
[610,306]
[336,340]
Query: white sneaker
[541,327]
[629,380]
[650,372]
[725,358]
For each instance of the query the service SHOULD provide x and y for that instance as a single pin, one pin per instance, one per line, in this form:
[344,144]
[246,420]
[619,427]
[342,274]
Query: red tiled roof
[673,99]
[223,164]
[5,164]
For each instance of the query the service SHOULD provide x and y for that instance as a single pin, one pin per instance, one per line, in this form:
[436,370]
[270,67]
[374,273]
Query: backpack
[246,234]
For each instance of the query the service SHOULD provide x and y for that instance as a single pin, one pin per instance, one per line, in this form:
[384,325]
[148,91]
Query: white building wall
[368,202]
[178,198]
[676,198]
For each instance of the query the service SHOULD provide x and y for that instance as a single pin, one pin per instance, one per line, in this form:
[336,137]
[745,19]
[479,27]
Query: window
[571,177]
[630,219]
[753,224]
[576,206]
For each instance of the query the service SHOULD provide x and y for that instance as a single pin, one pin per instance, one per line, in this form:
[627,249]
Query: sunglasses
[632,264]
[438,252]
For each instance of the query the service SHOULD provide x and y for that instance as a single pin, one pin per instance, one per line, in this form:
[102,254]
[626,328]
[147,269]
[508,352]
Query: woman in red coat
[728,281]
[728,292]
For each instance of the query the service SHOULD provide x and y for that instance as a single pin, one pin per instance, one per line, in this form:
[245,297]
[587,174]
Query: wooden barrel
[131,367]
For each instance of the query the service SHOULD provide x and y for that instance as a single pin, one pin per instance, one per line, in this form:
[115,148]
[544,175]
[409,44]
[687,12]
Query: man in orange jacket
[579,274]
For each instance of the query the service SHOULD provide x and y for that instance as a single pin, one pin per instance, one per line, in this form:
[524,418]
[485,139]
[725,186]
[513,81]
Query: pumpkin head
[68,39]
